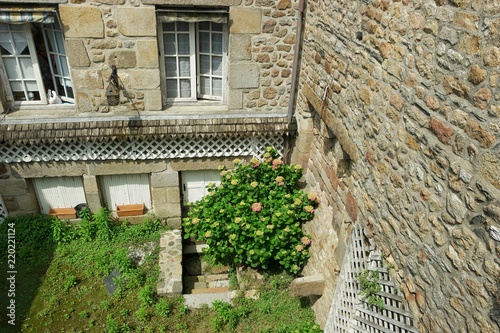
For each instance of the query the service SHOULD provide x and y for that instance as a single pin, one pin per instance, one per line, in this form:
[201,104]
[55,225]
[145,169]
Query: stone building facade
[397,122]
[95,135]
[398,128]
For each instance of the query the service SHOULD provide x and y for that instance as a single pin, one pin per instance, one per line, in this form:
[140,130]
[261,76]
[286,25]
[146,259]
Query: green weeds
[369,288]
[68,262]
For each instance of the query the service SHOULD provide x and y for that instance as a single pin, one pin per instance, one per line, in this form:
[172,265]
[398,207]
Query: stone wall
[103,33]
[19,195]
[398,128]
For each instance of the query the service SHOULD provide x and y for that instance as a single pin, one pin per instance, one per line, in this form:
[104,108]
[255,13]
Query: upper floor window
[34,60]
[193,56]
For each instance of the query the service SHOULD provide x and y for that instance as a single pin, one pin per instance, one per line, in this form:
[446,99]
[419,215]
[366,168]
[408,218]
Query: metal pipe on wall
[295,65]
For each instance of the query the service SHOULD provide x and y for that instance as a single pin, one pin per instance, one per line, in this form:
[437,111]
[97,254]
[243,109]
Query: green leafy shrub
[370,287]
[254,216]
[227,315]
[33,236]
[163,307]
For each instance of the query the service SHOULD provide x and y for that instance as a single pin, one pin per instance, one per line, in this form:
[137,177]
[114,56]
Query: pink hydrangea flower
[254,162]
[309,209]
[305,240]
[276,163]
[267,157]
[280,180]
[256,207]
[313,197]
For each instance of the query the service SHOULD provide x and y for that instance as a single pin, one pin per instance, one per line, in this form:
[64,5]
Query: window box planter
[130,210]
[63,213]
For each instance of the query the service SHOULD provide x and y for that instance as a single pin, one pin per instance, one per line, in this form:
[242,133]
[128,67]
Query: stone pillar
[91,189]
[166,198]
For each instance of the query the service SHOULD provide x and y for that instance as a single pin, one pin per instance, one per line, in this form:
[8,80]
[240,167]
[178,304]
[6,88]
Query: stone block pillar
[91,189]
[170,281]
[166,197]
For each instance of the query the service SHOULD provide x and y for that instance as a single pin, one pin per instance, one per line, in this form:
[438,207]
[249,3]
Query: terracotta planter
[130,210]
[63,213]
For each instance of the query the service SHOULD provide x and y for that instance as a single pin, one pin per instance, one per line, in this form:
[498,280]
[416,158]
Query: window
[193,57]
[34,58]
[126,190]
[194,184]
[59,192]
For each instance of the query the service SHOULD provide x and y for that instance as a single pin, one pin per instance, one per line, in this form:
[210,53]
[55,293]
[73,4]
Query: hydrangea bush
[254,216]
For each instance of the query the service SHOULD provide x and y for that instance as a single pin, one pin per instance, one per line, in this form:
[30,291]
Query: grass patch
[60,285]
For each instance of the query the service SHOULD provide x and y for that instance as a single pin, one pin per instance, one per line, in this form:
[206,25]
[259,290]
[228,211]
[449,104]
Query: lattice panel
[349,313]
[3,210]
[182,147]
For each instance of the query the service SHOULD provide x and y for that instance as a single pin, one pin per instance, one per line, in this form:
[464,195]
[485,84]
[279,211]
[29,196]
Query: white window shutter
[59,192]
[126,190]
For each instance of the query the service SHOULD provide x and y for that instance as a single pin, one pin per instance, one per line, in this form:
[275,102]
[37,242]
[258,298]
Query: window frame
[37,70]
[196,96]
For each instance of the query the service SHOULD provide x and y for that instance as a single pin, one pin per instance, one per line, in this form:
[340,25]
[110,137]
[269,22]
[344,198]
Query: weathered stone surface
[461,3]
[476,131]
[468,21]
[453,85]
[82,21]
[489,165]
[84,102]
[122,59]
[240,46]
[284,4]
[77,53]
[455,207]
[152,100]
[111,2]
[482,98]
[147,53]
[243,76]
[308,285]
[143,79]
[444,133]
[136,22]
[103,44]
[87,79]
[477,74]
[449,35]
[492,57]
[245,20]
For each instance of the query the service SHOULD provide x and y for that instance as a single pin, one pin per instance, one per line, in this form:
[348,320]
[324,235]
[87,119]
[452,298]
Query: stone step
[209,290]
[195,248]
[206,278]
[199,300]
[205,282]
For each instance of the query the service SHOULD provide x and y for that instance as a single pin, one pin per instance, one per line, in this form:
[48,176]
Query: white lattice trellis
[349,313]
[182,147]
[3,210]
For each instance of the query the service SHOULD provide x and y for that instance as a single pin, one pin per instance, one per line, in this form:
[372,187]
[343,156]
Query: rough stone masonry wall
[102,33]
[406,140]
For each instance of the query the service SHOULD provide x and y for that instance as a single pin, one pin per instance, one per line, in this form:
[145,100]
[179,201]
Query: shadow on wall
[26,254]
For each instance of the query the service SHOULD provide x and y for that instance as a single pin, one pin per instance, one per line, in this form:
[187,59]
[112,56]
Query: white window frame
[42,91]
[34,63]
[198,181]
[59,192]
[126,189]
[195,74]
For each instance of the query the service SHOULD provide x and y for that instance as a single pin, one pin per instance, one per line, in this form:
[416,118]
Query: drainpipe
[295,66]
[295,69]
